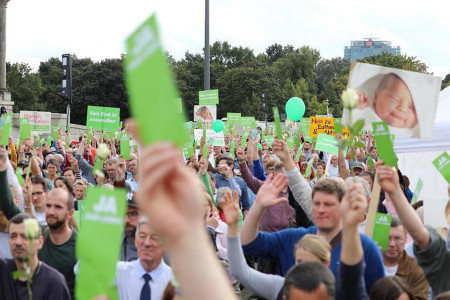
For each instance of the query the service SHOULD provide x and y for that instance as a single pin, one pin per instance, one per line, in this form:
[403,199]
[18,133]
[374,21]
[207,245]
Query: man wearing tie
[147,277]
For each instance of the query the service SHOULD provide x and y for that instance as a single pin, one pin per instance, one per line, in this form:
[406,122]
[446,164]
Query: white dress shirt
[130,282]
[134,184]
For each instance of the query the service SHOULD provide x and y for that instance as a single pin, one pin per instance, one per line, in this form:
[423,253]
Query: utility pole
[265,108]
[206,84]
[66,92]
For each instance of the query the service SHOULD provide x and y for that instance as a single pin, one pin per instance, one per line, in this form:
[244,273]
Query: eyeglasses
[132,214]
[39,193]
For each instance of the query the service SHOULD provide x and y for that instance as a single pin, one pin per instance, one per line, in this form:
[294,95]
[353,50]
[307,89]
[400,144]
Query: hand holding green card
[276,118]
[125,146]
[442,163]
[151,88]
[381,230]
[103,222]
[6,128]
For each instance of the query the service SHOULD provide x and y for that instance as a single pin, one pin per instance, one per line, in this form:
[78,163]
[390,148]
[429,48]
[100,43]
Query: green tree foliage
[241,76]
[25,87]
[446,81]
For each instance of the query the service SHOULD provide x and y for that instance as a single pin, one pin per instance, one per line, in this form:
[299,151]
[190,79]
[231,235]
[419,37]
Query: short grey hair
[142,220]
[364,183]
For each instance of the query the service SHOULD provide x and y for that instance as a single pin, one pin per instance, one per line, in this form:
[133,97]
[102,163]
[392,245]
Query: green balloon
[218,125]
[295,108]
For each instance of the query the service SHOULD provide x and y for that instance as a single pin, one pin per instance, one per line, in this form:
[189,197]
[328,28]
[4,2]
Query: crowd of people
[252,218]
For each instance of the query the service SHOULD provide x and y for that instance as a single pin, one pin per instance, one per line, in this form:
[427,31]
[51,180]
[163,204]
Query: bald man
[58,250]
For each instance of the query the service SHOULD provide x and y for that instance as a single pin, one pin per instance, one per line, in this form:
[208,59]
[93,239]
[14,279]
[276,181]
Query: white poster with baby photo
[406,100]
[206,113]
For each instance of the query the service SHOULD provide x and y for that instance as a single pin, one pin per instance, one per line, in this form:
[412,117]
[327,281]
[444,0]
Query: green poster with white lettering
[384,143]
[6,128]
[103,118]
[125,146]
[417,191]
[327,143]
[25,128]
[210,97]
[276,118]
[381,229]
[233,118]
[103,222]
[151,87]
[269,140]
[442,163]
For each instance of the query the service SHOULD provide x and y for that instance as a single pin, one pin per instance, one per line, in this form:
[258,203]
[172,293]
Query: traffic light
[67,77]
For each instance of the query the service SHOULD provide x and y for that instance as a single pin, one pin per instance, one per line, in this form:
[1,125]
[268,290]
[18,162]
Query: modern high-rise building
[368,47]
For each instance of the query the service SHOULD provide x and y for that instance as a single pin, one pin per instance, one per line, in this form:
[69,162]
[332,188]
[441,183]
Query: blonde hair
[317,245]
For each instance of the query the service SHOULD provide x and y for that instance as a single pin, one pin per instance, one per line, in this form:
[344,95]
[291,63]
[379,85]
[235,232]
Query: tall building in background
[368,47]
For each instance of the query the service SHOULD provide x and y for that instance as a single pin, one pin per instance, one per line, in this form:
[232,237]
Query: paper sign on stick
[327,143]
[103,220]
[276,118]
[417,191]
[151,87]
[25,128]
[6,128]
[381,230]
[384,144]
[442,163]
[125,146]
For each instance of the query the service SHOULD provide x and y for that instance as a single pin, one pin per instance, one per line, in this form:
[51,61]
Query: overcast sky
[40,29]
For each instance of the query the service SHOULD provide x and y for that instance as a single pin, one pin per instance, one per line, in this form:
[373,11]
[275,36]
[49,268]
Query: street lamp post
[265,108]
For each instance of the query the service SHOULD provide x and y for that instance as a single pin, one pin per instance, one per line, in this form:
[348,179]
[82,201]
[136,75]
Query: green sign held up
[384,143]
[151,87]
[25,128]
[210,97]
[442,163]
[6,128]
[103,118]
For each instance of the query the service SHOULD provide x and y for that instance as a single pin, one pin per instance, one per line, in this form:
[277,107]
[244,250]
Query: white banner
[40,121]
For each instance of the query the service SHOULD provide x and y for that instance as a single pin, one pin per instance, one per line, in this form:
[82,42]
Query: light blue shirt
[130,282]
[134,184]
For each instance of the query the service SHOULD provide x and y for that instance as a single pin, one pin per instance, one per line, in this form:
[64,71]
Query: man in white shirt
[147,277]
[133,169]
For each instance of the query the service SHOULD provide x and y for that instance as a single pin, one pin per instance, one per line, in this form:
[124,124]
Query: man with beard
[47,283]
[128,250]
[133,168]
[58,250]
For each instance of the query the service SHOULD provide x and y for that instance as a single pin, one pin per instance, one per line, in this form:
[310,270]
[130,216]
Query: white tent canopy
[415,159]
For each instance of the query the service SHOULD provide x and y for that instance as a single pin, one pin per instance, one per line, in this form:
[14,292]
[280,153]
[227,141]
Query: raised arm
[389,182]
[253,183]
[268,195]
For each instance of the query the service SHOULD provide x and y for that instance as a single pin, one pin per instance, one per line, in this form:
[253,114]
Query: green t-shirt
[61,257]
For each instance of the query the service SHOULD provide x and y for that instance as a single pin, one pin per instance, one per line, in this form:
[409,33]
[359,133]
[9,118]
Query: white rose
[102,151]
[32,230]
[349,98]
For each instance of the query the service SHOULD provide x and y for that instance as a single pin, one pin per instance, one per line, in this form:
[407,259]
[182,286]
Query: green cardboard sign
[55,133]
[276,118]
[103,222]
[151,87]
[188,149]
[210,97]
[244,139]
[417,191]
[384,143]
[103,118]
[327,143]
[49,141]
[25,128]
[381,229]
[299,153]
[308,168]
[179,104]
[19,173]
[125,146]
[337,126]
[6,128]
[442,163]
[290,142]
[269,139]
[247,122]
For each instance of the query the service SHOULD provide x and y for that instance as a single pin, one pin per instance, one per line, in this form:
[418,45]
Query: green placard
[327,143]
[77,217]
[233,118]
[276,118]
[188,149]
[381,229]
[384,143]
[290,142]
[299,152]
[308,168]
[337,126]
[151,88]
[247,122]
[49,141]
[19,173]
[6,128]
[125,146]
[205,151]
[210,97]
[103,222]
[103,118]
[269,140]
[417,191]
[25,128]
[303,126]
[442,163]
[244,139]
[55,133]
[179,104]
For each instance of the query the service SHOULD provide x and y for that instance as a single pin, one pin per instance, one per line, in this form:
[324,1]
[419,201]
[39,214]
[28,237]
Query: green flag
[381,230]
[25,128]
[6,128]
[442,163]
[151,87]
[276,118]
[125,146]
[417,191]
[384,143]
[103,222]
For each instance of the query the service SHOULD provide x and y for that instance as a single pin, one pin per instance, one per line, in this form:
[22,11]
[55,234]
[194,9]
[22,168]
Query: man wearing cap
[226,178]
[128,251]
[148,276]
[357,167]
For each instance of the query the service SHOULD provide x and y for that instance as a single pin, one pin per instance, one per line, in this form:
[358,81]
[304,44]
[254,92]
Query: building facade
[368,47]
